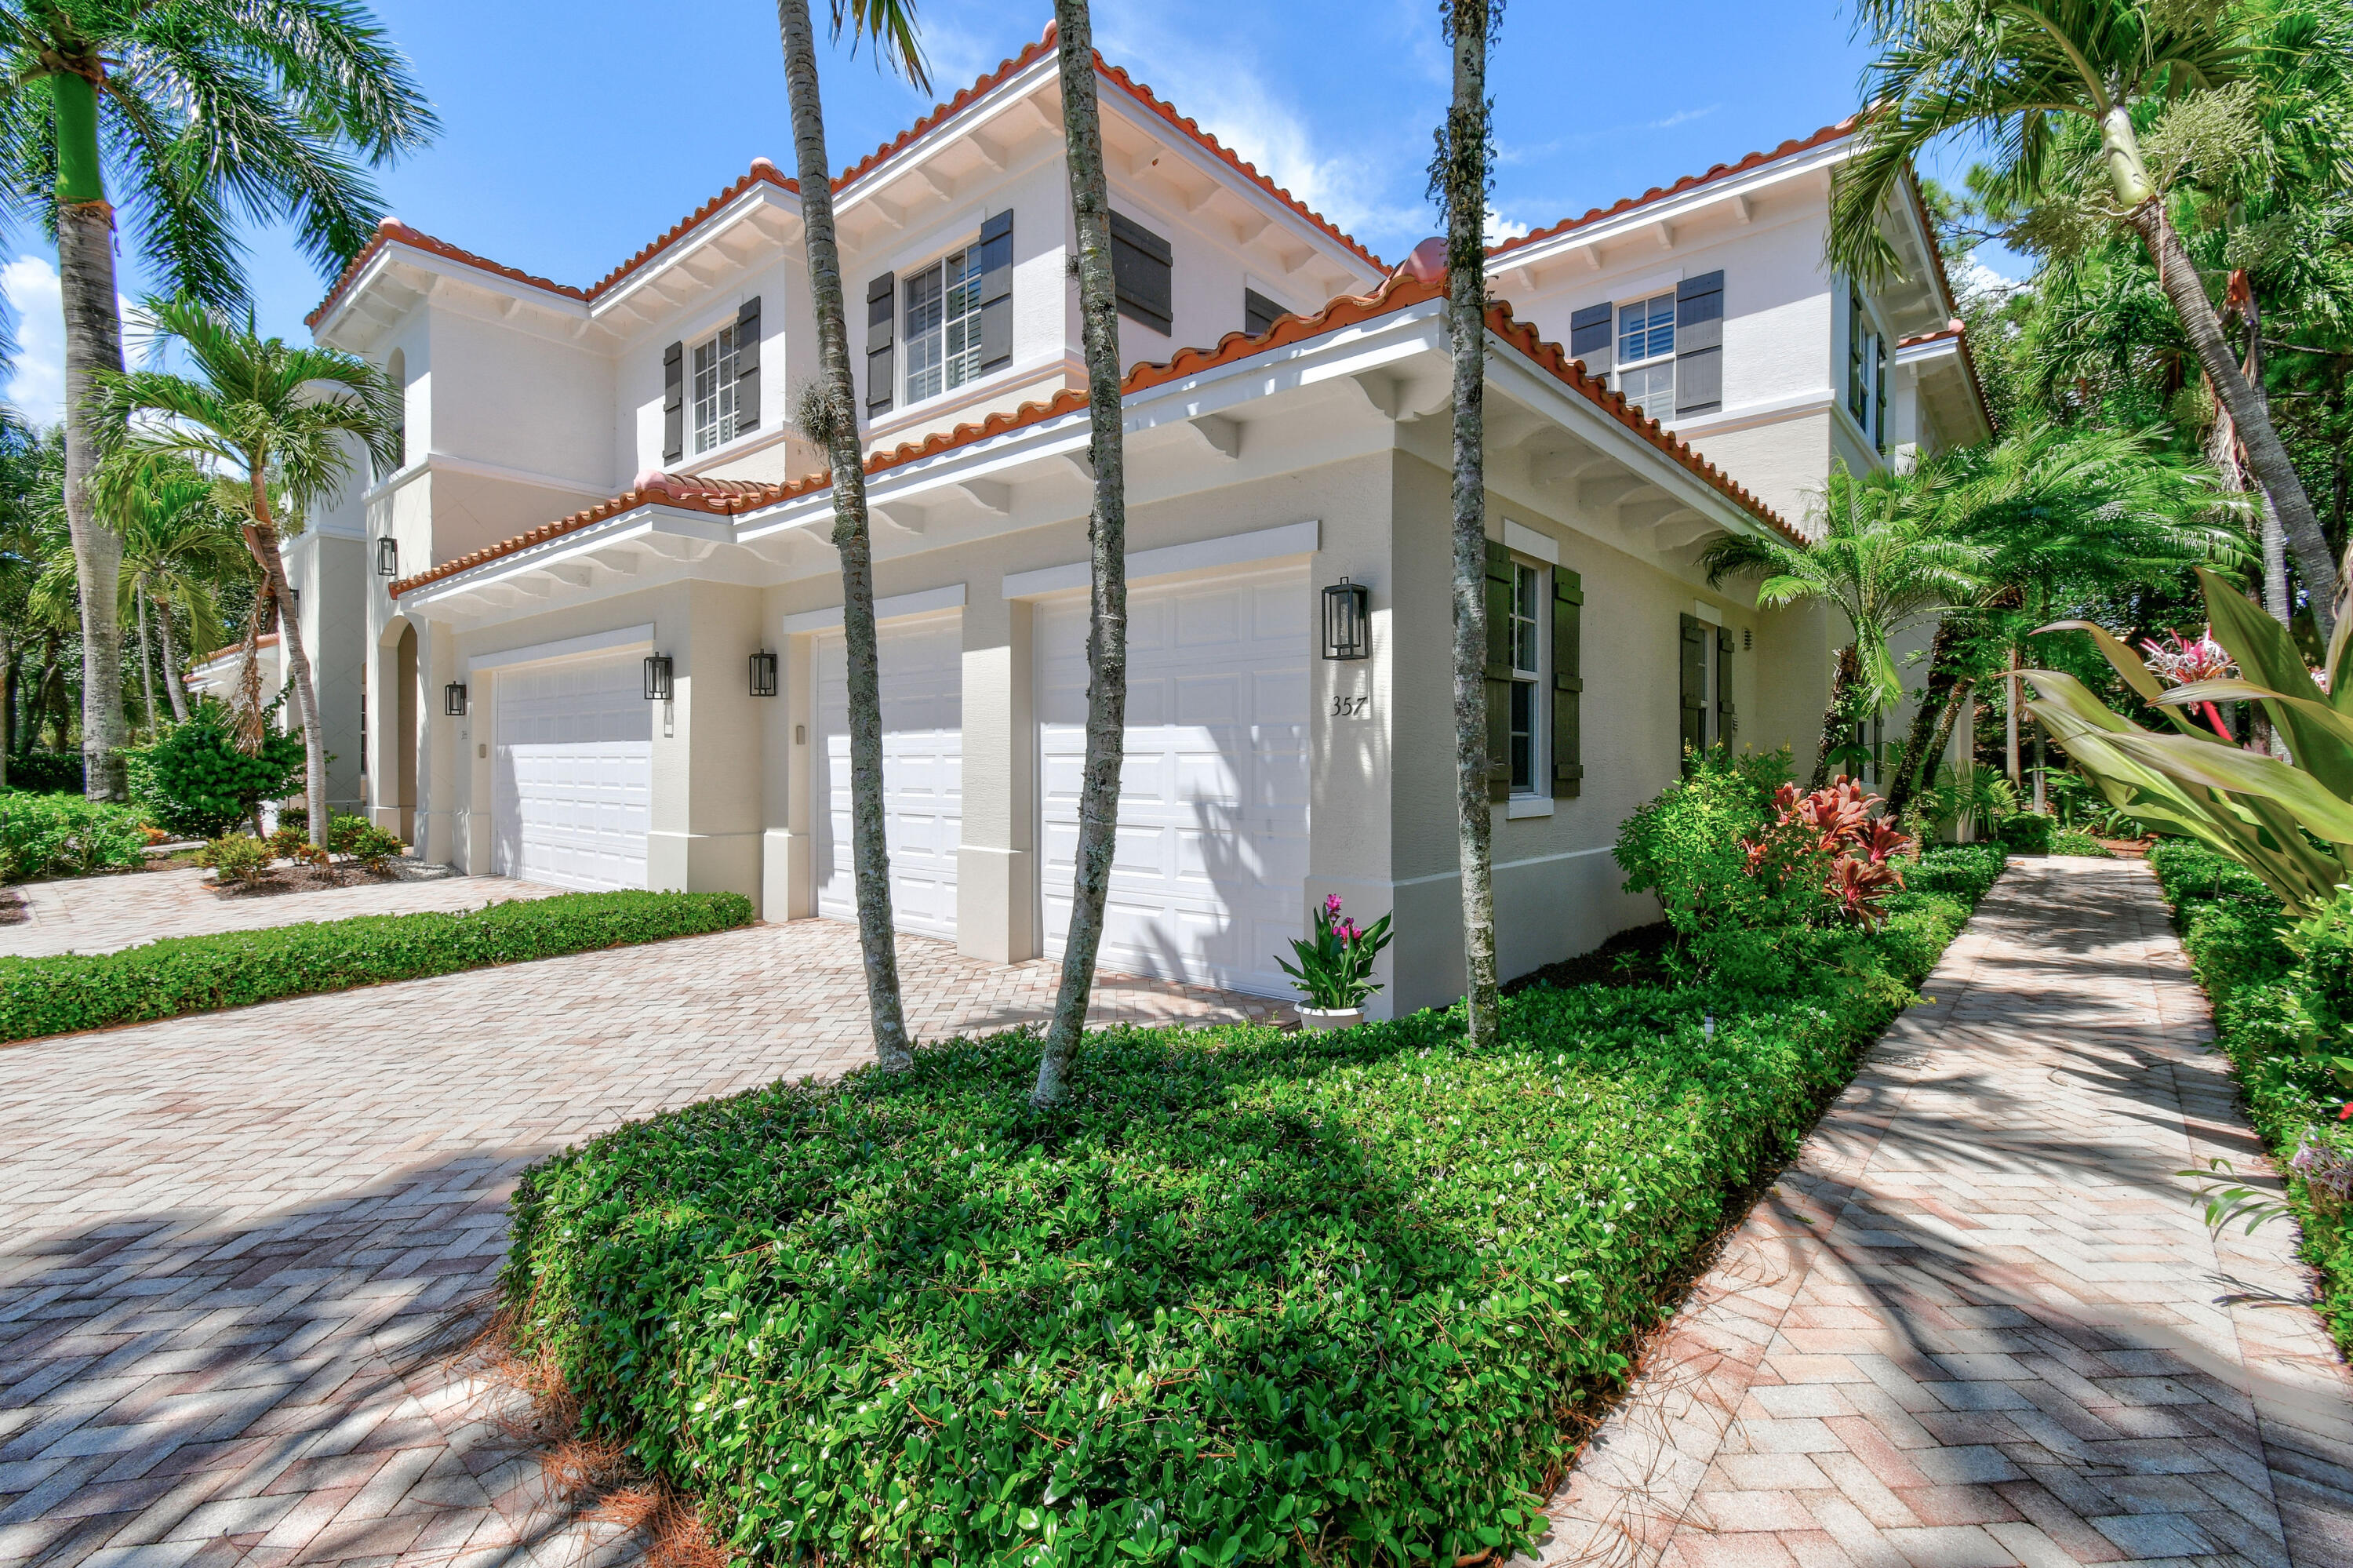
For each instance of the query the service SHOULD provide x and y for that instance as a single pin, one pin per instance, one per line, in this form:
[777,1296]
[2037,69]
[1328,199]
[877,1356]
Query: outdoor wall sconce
[658,684]
[453,699]
[387,556]
[764,675]
[1347,619]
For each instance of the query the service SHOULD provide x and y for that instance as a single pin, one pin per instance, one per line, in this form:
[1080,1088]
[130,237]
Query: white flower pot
[1330,1017]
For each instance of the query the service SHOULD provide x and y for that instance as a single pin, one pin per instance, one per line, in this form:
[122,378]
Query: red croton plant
[1834,835]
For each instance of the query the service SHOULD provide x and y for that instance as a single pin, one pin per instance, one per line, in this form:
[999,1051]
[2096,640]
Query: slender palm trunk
[9,677]
[1943,672]
[1106,550]
[1954,706]
[93,343]
[2009,720]
[836,426]
[1835,717]
[173,687]
[1464,187]
[2266,454]
[261,539]
[146,663]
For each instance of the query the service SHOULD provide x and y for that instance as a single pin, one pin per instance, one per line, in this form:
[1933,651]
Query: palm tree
[1877,558]
[1459,181]
[2041,77]
[828,416]
[178,541]
[1106,547]
[277,416]
[203,110]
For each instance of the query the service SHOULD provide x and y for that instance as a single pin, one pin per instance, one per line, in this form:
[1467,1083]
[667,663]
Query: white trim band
[567,647]
[1202,554]
[949,598]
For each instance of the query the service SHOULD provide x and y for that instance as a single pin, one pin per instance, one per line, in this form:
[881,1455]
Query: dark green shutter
[673,402]
[1699,345]
[882,342]
[747,365]
[1725,720]
[997,292]
[1588,338]
[1694,686]
[1499,671]
[1141,273]
[1568,684]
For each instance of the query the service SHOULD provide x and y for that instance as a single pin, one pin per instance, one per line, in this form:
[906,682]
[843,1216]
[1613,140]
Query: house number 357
[1351,707]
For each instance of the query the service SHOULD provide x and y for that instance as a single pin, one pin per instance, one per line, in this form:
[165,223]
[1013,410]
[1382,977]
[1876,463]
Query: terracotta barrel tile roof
[268,640]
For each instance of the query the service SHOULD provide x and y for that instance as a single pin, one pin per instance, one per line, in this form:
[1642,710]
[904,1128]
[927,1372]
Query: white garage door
[1207,882]
[572,777]
[921,665]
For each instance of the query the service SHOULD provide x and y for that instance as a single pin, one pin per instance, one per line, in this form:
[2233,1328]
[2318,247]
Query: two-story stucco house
[602,635]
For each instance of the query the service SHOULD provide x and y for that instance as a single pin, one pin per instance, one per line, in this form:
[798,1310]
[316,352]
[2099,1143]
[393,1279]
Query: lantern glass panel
[764,675]
[453,700]
[658,689]
[1346,619]
[387,556]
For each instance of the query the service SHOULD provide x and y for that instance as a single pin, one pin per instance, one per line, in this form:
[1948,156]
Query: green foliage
[195,974]
[44,772]
[1684,845]
[370,846]
[1245,1297]
[198,781]
[2070,840]
[65,835]
[238,857]
[1335,969]
[2028,832]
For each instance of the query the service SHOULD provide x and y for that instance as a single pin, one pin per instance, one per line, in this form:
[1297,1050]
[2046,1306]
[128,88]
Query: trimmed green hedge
[2279,1015]
[1248,1297]
[230,968]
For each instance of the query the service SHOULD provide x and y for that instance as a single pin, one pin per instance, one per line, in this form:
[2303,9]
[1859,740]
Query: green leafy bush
[65,835]
[2070,840]
[194,974]
[196,781]
[40,772]
[2028,832]
[1248,1297]
[236,857]
[370,846]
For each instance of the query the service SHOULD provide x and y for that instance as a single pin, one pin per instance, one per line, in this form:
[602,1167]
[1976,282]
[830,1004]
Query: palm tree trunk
[2266,454]
[9,674]
[1465,188]
[146,662]
[173,687]
[261,539]
[1835,717]
[1943,674]
[93,343]
[835,424]
[1106,546]
[2010,719]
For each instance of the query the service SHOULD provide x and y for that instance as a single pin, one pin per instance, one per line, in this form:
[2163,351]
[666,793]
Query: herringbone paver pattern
[100,914]
[1980,1321]
[232,1240]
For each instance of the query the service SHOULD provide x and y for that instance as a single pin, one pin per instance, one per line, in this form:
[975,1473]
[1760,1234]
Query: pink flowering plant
[1335,967]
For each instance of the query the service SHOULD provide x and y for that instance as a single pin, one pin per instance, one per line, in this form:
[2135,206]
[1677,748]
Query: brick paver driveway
[232,1242]
[1980,1321]
[100,914]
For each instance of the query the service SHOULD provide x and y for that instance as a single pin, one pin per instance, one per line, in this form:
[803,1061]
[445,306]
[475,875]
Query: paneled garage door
[1207,882]
[573,775]
[921,665]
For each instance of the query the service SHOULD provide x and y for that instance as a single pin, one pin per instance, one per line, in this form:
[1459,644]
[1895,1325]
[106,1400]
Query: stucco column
[706,829]
[997,863]
[787,888]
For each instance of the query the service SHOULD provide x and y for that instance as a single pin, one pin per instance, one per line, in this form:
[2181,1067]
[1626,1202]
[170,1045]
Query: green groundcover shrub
[41,771]
[194,974]
[65,835]
[2283,996]
[1248,1297]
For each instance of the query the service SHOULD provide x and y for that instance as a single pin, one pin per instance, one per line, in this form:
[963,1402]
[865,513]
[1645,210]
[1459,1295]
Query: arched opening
[401,773]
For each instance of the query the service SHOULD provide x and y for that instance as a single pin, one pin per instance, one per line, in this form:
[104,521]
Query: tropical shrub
[1245,1297]
[369,844]
[1335,969]
[65,835]
[285,838]
[2069,840]
[40,772]
[196,974]
[2028,832]
[199,783]
[238,857]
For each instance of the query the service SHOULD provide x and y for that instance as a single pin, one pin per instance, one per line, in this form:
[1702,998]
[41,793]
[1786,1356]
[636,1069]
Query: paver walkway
[230,1240]
[1979,1321]
[100,914]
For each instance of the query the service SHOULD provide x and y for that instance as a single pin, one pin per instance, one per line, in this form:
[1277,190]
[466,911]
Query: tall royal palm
[1878,559]
[828,416]
[278,417]
[2042,77]
[202,111]
[180,542]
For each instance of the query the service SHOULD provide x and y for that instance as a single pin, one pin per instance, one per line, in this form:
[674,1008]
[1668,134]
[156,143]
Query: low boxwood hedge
[230,968]
[1248,1297]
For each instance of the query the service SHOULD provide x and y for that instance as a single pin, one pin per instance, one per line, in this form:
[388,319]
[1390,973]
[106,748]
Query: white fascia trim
[1201,555]
[1527,541]
[481,278]
[620,637]
[1760,412]
[762,193]
[1936,348]
[926,602]
[954,129]
[1671,210]
[635,523]
[473,468]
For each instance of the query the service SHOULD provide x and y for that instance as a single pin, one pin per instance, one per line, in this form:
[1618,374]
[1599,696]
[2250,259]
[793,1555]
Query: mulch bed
[1630,957]
[298,879]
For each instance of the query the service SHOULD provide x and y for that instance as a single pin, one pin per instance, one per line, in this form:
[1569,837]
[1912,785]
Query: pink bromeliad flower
[2185,662]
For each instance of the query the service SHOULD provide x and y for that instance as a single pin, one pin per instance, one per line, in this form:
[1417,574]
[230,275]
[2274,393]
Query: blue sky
[572,136]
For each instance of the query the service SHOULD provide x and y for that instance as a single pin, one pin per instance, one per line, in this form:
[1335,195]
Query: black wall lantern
[453,699]
[387,556]
[764,675]
[657,687]
[1348,620]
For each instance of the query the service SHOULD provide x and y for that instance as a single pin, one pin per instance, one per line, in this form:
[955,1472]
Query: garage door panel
[920,667]
[571,796]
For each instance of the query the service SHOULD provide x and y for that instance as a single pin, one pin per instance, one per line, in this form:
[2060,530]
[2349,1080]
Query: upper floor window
[943,317]
[1527,675]
[1646,355]
[1866,371]
[717,363]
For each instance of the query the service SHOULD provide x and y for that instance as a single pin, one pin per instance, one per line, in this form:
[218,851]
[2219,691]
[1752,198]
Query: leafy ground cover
[230,968]
[2283,996]
[65,835]
[1250,1297]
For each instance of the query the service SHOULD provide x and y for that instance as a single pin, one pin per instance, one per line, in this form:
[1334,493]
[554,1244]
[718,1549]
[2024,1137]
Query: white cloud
[1500,229]
[37,384]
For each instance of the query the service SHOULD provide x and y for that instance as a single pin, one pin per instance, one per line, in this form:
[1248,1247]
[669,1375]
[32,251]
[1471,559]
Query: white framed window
[1528,607]
[716,363]
[1646,354]
[943,325]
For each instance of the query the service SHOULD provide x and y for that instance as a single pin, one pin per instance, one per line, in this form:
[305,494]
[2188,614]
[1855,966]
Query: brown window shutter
[674,402]
[1694,729]
[1568,684]
[882,342]
[1726,721]
[1499,671]
[997,292]
[747,365]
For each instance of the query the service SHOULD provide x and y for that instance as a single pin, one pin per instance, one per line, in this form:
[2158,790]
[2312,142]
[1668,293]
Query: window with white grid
[1529,605]
[943,317]
[715,367]
[1646,355]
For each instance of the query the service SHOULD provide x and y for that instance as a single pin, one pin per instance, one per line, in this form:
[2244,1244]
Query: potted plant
[1335,968]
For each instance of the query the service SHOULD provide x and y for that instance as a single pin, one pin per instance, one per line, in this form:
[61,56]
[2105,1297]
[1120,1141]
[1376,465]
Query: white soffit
[1203,555]
[949,598]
